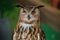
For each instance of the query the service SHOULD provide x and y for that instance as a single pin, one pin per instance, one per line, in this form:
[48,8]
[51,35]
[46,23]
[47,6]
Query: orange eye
[33,12]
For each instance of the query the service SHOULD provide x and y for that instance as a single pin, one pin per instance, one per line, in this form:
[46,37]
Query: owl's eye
[33,12]
[24,11]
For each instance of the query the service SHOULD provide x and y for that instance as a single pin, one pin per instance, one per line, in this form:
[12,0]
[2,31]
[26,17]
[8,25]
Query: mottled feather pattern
[28,26]
[30,34]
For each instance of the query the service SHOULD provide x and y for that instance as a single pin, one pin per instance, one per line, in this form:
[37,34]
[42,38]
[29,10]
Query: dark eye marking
[24,11]
[33,12]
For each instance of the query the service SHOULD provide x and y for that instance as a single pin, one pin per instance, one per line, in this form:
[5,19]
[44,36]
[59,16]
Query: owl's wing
[42,35]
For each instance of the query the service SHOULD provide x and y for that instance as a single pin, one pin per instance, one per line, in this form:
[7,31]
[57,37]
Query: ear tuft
[40,6]
[19,6]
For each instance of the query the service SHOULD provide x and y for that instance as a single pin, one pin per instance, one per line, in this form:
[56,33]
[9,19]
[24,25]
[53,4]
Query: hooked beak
[28,17]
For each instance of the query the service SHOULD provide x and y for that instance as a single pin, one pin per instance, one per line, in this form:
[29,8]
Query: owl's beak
[28,17]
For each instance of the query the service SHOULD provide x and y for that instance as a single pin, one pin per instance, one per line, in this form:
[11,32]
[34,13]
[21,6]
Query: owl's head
[29,14]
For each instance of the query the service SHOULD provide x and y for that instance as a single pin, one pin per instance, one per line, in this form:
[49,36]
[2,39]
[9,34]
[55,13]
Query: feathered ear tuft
[40,6]
[19,6]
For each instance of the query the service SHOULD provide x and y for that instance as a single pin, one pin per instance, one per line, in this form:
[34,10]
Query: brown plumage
[51,16]
[28,27]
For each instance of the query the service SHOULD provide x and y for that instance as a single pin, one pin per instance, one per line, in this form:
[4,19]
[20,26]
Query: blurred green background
[9,10]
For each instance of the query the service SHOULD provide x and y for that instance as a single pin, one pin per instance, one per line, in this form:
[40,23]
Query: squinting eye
[24,11]
[33,12]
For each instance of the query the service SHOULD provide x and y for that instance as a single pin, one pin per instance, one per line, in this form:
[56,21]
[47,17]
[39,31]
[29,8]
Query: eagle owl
[28,26]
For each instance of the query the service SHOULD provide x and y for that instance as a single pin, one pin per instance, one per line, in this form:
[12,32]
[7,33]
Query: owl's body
[28,27]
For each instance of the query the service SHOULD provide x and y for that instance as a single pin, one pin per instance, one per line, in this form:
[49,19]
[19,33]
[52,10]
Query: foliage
[7,4]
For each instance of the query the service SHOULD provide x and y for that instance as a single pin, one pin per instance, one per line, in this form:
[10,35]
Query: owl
[28,26]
